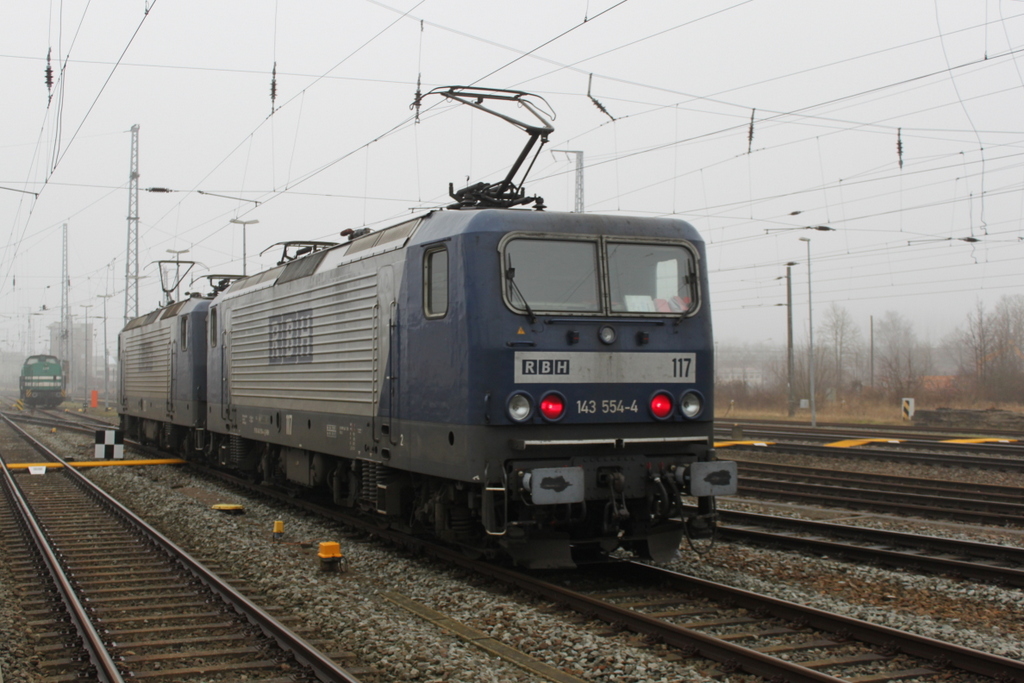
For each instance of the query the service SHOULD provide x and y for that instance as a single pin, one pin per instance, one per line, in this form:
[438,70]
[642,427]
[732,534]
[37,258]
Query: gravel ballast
[348,612]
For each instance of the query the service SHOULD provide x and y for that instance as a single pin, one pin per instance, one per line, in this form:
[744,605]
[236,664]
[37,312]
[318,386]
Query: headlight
[606,334]
[520,407]
[691,404]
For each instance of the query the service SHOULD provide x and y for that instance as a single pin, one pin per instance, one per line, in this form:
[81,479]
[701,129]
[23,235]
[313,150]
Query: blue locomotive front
[559,368]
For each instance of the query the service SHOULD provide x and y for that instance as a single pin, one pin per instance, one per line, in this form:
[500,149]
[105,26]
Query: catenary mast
[131,271]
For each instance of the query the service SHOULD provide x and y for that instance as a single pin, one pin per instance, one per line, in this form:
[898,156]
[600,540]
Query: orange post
[94,399]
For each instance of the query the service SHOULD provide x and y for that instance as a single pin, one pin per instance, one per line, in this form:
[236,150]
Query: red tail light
[552,406]
[661,405]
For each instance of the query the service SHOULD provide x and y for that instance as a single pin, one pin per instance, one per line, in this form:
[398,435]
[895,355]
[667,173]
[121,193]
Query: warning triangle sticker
[521,331]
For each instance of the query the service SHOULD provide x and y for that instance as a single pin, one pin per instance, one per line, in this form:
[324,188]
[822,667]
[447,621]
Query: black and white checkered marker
[109,444]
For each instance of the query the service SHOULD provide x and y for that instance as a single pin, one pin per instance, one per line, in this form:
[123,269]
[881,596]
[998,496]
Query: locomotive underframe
[43,398]
[632,496]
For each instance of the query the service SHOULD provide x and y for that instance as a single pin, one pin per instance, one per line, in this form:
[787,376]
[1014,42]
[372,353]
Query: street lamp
[243,224]
[810,322]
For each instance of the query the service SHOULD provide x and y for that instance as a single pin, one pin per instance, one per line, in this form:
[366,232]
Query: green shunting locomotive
[42,382]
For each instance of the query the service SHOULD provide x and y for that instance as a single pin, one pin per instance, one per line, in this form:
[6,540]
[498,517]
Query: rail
[322,666]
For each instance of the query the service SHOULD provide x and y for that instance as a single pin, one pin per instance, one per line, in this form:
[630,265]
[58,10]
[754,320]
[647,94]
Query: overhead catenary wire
[58,155]
[967,113]
[289,101]
[616,158]
[723,131]
[405,122]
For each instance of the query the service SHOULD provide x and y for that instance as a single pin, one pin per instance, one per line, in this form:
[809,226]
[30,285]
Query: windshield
[651,278]
[552,275]
[564,276]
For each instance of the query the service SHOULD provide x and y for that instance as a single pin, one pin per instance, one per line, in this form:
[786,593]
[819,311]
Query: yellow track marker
[987,440]
[853,443]
[96,463]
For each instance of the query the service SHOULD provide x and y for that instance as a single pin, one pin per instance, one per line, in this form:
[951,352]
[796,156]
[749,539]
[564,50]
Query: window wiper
[691,282]
[510,275]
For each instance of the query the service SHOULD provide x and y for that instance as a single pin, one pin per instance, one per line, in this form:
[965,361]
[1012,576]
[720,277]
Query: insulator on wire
[419,97]
[594,100]
[750,132]
[273,87]
[419,77]
[49,72]
[899,145]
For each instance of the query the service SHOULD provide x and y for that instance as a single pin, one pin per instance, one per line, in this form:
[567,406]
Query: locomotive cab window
[184,332]
[213,327]
[435,283]
[651,278]
[552,275]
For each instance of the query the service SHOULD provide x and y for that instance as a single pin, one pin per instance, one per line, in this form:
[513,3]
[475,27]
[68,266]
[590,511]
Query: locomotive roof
[169,311]
[440,225]
[451,223]
[42,358]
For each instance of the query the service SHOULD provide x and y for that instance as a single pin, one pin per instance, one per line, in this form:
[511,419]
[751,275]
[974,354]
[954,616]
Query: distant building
[10,369]
[82,345]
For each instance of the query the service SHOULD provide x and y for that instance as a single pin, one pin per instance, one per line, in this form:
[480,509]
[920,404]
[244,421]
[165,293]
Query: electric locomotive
[531,383]
[42,381]
[162,375]
[528,384]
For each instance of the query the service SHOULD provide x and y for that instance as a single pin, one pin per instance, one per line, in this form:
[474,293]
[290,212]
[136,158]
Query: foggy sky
[833,89]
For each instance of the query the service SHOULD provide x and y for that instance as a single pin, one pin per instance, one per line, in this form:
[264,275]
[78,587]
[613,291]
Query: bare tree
[900,360]
[993,349]
[841,341]
[1005,361]
[976,338]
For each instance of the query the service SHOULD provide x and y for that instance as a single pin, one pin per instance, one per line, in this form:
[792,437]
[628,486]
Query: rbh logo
[545,367]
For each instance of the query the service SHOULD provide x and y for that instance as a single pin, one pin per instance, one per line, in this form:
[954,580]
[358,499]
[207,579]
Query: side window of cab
[213,326]
[183,328]
[435,283]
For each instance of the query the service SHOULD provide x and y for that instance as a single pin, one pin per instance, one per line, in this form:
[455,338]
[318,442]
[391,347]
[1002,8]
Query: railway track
[947,446]
[58,419]
[1012,461]
[999,564]
[933,498]
[771,638]
[838,430]
[138,606]
[735,629]
[82,419]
